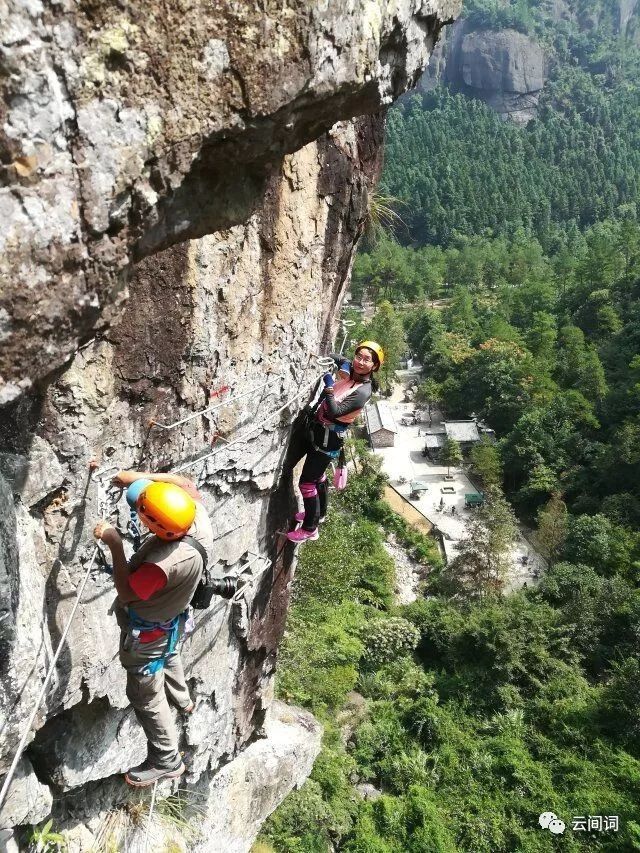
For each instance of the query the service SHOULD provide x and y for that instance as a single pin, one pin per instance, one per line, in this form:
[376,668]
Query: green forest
[514,279]
[575,164]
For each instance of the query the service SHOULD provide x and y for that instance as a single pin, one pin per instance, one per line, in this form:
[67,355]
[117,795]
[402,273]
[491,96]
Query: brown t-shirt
[181,564]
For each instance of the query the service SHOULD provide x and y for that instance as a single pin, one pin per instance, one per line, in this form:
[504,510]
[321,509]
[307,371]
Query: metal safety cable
[254,431]
[23,740]
[206,411]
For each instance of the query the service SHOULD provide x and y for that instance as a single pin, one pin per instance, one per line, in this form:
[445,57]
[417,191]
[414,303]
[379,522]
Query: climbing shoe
[302,535]
[146,773]
[299,516]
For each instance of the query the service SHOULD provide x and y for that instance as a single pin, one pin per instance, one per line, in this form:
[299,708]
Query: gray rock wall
[183,192]
[128,129]
[244,310]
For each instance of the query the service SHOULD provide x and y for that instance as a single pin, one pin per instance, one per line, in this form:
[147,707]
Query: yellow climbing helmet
[376,349]
[166,509]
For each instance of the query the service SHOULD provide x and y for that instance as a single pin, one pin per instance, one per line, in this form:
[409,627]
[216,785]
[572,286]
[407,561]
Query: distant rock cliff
[504,68]
[184,193]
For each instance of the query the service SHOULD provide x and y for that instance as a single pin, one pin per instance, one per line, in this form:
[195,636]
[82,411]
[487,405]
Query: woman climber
[322,433]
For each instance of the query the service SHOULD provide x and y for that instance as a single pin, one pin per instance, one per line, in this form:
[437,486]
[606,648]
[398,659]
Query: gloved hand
[328,380]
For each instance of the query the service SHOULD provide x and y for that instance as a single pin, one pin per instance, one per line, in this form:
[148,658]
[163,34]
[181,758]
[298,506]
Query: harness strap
[170,627]
[190,540]
[134,526]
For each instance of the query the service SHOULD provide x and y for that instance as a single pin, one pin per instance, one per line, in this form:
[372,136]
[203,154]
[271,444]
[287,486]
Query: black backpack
[207,585]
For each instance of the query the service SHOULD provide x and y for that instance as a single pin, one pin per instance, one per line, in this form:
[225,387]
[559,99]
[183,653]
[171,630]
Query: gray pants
[150,695]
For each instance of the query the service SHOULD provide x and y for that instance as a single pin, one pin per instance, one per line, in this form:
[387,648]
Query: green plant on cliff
[383,218]
[44,839]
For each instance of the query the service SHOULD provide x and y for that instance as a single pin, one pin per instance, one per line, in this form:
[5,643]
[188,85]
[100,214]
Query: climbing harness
[138,627]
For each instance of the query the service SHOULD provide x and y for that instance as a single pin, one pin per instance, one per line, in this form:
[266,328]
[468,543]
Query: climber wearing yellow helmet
[324,432]
[154,589]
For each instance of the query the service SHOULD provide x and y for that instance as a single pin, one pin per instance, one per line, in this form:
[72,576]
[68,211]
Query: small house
[464,432]
[381,425]
[433,444]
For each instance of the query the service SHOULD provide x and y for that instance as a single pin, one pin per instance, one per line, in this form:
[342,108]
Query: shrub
[387,639]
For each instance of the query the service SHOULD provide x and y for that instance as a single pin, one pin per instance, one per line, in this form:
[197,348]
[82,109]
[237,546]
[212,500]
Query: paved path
[405,462]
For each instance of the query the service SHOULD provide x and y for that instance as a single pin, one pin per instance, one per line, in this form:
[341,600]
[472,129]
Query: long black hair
[375,387]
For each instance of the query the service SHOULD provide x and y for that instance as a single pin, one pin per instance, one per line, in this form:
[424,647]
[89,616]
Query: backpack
[207,585]
[203,593]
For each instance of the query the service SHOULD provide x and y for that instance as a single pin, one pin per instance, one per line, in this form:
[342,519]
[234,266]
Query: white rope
[153,802]
[43,690]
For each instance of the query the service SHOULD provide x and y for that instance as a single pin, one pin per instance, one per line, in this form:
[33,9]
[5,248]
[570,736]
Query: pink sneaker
[302,535]
[299,517]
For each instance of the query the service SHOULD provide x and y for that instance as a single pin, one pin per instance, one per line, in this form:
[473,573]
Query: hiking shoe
[302,535]
[299,516]
[146,773]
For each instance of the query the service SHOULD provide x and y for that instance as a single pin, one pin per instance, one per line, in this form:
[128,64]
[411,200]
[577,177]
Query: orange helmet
[376,349]
[166,509]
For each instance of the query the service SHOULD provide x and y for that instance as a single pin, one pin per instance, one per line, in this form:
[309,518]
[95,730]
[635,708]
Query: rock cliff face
[504,68]
[118,146]
[508,69]
[128,129]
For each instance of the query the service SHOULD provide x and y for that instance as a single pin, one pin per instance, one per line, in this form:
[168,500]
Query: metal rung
[255,559]
[239,593]
[101,473]
[346,325]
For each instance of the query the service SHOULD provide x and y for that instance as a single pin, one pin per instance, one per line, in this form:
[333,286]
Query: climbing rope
[104,500]
[23,740]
